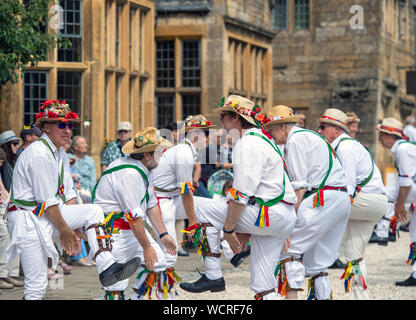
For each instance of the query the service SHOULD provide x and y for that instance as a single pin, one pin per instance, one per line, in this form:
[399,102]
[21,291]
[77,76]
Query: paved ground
[385,265]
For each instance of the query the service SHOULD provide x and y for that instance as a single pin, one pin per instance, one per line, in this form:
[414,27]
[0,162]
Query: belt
[343,189]
[252,201]
[166,190]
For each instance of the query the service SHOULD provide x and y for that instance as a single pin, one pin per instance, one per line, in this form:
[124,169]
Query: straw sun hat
[146,140]
[280,114]
[391,126]
[240,105]
[335,117]
[198,122]
[352,117]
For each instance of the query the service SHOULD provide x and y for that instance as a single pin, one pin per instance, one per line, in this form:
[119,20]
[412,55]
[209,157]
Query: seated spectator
[302,120]
[28,136]
[113,149]
[10,143]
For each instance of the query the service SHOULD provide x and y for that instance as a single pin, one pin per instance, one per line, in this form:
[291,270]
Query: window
[402,22]
[71,31]
[191,69]
[165,107]
[131,23]
[69,89]
[191,105]
[280,12]
[301,14]
[165,64]
[35,91]
[117,44]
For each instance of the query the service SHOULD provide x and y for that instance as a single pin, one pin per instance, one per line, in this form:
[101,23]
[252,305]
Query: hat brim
[40,122]
[292,119]
[335,123]
[389,132]
[130,148]
[222,110]
[187,129]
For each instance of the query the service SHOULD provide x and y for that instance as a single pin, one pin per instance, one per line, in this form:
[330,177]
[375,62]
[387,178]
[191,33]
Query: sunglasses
[123,131]
[63,125]
[15,143]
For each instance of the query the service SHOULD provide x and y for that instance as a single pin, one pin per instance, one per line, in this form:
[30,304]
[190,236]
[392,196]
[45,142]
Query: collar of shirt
[336,142]
[194,151]
[292,131]
[51,144]
[396,146]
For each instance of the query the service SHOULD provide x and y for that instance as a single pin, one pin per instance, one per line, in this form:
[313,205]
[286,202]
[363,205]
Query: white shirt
[405,160]
[258,170]
[307,157]
[358,164]
[410,132]
[175,168]
[123,190]
[35,175]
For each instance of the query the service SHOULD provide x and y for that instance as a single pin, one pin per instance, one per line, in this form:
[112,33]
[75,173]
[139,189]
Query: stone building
[207,49]
[347,54]
[107,75]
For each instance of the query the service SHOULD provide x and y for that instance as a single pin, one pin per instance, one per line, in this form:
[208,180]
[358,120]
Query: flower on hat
[52,115]
[72,115]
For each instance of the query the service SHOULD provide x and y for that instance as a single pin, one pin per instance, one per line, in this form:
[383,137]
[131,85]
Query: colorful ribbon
[318,200]
[412,254]
[351,269]
[39,209]
[263,217]
[186,187]
[200,238]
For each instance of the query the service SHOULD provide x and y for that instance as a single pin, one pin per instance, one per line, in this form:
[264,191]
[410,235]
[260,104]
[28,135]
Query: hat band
[241,110]
[329,118]
[391,129]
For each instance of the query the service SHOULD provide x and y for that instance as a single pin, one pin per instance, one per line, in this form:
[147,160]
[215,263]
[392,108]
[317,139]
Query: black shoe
[204,284]
[337,265]
[410,282]
[380,241]
[240,257]
[183,252]
[118,271]
[404,227]
[392,237]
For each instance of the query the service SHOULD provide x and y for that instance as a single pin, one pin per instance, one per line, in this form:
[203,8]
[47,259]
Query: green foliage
[24,37]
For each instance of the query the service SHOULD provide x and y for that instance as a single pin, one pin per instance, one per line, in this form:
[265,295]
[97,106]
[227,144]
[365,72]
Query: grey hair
[75,142]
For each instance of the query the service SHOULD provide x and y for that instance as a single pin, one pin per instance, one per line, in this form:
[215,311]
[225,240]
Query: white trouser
[172,209]
[317,235]
[366,210]
[126,247]
[392,192]
[11,269]
[31,237]
[266,242]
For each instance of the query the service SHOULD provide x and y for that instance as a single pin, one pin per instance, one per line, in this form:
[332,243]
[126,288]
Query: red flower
[39,115]
[72,115]
[52,115]
[46,103]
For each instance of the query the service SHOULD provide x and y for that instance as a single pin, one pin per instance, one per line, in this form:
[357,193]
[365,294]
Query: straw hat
[391,126]
[198,122]
[335,117]
[240,105]
[54,111]
[146,140]
[280,114]
[352,117]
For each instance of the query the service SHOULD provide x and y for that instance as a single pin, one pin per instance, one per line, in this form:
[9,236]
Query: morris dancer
[366,189]
[323,205]
[125,192]
[402,195]
[253,210]
[173,178]
[43,208]
[352,123]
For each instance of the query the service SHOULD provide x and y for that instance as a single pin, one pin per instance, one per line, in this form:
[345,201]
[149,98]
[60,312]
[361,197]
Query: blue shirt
[86,168]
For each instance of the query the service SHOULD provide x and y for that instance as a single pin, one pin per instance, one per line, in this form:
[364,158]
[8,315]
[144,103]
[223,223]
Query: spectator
[353,123]
[28,136]
[113,150]
[10,143]
[9,274]
[83,163]
[173,127]
[410,130]
[302,120]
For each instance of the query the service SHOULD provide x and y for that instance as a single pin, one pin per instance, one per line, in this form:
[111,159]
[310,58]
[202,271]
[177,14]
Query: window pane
[165,106]
[165,62]
[301,14]
[191,105]
[35,91]
[280,12]
[72,30]
[191,70]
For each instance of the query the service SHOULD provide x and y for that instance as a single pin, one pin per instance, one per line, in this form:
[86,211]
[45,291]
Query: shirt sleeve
[184,165]
[44,180]
[407,169]
[248,170]
[152,197]
[348,157]
[105,158]
[68,182]
[129,192]
[296,157]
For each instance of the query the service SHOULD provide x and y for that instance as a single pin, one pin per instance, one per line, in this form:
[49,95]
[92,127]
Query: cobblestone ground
[385,265]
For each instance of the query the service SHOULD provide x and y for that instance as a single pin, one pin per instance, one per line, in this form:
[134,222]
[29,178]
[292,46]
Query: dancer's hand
[286,245]
[150,258]
[244,238]
[400,212]
[233,241]
[170,244]
[70,242]
[81,234]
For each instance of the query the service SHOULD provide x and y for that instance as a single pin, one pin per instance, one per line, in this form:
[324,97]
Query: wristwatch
[228,231]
